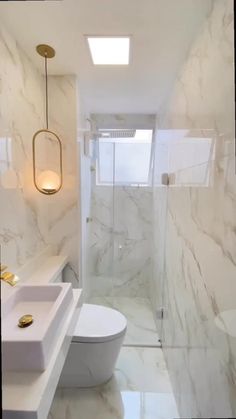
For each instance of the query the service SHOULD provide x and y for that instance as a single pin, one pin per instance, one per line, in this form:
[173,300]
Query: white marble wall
[22,231]
[120,241]
[199,272]
[29,220]
[63,210]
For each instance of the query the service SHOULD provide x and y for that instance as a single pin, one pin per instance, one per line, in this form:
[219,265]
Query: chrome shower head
[116,133]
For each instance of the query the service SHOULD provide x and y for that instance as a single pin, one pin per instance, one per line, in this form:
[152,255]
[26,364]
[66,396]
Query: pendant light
[48,181]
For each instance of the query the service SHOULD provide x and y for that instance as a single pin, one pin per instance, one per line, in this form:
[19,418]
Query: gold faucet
[8,277]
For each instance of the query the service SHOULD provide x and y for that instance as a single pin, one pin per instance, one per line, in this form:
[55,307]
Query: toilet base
[90,364]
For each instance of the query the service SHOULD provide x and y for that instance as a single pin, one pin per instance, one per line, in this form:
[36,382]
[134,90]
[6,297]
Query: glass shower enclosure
[120,232]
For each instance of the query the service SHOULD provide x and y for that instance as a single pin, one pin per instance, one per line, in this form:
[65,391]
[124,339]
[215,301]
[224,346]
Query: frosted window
[189,158]
[125,161]
[105,162]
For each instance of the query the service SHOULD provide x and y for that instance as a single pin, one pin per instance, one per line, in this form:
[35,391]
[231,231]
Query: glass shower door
[133,237]
[101,226]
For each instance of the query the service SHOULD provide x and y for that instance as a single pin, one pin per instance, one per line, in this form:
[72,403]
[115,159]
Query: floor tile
[142,369]
[141,326]
[139,389]
[103,403]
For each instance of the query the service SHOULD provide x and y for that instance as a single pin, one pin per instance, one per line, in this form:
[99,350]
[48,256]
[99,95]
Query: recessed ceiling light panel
[109,50]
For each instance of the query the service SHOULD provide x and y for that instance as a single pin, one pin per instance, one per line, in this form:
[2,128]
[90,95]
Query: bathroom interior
[118,209]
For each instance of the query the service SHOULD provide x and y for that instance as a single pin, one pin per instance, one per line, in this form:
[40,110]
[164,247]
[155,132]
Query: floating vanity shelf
[28,395]
[30,348]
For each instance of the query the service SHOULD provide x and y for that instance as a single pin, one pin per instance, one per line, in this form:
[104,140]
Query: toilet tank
[61,271]
[69,275]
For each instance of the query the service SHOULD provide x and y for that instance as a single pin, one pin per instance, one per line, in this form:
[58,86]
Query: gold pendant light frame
[47,52]
[52,191]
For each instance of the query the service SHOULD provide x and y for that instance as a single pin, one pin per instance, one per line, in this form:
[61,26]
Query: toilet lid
[98,324]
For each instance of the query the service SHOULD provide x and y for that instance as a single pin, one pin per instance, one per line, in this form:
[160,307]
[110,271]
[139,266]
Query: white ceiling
[162,32]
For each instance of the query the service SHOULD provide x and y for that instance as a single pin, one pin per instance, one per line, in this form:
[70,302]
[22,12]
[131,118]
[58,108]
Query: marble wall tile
[63,209]
[29,220]
[120,240]
[197,281]
[121,121]
[21,107]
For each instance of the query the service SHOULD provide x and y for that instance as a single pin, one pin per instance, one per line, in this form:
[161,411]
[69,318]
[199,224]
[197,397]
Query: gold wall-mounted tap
[8,277]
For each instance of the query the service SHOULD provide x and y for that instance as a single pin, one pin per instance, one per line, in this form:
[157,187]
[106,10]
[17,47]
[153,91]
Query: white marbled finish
[39,387]
[63,209]
[120,241]
[195,228]
[141,328]
[139,389]
[121,121]
[21,107]
[31,221]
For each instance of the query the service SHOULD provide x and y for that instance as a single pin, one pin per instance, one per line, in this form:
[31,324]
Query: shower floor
[141,329]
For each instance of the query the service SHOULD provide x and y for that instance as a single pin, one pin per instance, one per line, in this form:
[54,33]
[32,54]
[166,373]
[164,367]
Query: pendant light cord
[46,86]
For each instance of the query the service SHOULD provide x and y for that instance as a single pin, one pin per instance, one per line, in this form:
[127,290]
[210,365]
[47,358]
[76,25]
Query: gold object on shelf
[8,277]
[25,320]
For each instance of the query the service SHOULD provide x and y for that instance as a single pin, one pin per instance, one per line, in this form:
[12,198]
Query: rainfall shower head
[116,133]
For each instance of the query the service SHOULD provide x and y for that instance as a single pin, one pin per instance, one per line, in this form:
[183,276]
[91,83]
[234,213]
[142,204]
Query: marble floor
[139,389]
[141,329]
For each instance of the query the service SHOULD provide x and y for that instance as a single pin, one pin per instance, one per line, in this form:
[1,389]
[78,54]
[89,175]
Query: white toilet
[95,346]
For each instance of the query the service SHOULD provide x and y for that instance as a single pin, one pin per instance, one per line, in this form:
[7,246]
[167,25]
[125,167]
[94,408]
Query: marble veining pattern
[31,221]
[195,226]
[120,241]
[140,389]
[141,328]
[21,108]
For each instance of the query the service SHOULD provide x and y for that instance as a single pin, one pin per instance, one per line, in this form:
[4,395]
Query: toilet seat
[98,324]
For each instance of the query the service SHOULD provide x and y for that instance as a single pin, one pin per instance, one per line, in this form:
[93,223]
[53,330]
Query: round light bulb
[48,181]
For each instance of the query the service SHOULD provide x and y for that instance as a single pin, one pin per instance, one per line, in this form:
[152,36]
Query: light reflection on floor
[140,389]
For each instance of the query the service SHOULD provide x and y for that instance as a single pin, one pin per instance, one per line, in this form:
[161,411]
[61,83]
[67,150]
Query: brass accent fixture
[8,277]
[48,182]
[45,50]
[25,320]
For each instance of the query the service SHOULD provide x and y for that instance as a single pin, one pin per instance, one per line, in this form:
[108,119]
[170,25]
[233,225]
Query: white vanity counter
[28,395]
[48,272]
[45,271]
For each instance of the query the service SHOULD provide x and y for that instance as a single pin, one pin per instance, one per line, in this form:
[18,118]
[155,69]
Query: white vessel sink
[30,348]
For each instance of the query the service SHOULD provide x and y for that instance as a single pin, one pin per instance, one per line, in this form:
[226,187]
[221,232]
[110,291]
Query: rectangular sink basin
[30,348]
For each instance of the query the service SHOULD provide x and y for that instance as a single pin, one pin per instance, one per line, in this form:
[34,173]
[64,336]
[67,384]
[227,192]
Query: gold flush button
[25,320]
